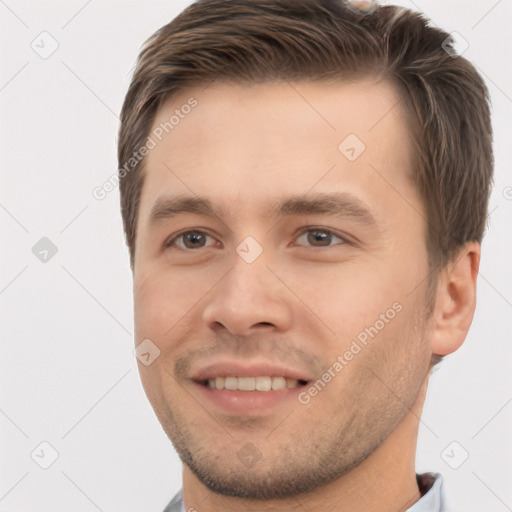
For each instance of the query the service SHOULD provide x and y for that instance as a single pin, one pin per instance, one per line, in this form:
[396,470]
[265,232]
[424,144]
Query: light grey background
[68,374]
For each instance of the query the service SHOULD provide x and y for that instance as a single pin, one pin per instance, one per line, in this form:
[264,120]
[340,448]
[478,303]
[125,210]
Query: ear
[456,300]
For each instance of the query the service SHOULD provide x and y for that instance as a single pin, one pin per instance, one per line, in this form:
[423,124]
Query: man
[304,189]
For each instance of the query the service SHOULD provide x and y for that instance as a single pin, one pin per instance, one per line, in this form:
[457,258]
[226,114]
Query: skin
[301,302]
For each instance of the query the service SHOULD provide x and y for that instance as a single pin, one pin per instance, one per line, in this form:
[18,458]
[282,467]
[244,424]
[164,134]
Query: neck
[385,481]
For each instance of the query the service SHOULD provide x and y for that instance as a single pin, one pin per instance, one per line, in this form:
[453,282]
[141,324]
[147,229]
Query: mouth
[248,388]
[249,396]
[264,383]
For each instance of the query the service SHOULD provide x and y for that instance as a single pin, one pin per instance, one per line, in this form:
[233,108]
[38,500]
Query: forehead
[230,140]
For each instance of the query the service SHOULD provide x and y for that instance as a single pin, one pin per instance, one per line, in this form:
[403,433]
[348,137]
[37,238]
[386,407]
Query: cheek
[350,296]
[387,345]
[155,311]
[363,303]
[164,300]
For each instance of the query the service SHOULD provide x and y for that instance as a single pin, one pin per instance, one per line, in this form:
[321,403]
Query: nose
[249,298]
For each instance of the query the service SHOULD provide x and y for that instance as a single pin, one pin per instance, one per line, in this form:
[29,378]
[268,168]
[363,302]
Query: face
[281,244]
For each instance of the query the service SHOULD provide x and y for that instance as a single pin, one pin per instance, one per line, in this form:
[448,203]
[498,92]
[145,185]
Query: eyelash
[343,240]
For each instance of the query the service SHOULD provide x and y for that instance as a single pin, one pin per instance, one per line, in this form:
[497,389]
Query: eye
[318,237]
[189,240]
[312,237]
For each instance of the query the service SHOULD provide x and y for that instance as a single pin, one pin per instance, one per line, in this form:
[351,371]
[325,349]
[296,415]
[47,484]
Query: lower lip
[244,402]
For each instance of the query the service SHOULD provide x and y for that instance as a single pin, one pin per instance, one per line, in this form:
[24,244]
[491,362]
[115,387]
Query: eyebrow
[341,204]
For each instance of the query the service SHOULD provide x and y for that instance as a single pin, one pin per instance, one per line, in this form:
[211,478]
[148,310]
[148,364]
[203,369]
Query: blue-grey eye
[319,238]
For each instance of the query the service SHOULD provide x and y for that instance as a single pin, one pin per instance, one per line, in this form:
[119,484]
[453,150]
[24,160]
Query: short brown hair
[256,41]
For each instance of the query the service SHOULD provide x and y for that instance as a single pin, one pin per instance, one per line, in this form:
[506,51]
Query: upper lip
[227,368]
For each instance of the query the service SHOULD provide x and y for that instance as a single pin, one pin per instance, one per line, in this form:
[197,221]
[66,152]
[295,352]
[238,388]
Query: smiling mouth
[263,383]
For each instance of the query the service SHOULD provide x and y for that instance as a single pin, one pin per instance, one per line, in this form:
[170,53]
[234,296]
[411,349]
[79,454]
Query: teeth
[231,383]
[278,383]
[252,383]
[263,383]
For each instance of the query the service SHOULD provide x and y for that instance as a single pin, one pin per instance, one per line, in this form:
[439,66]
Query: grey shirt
[428,483]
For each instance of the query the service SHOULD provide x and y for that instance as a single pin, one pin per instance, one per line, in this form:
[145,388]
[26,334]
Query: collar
[431,498]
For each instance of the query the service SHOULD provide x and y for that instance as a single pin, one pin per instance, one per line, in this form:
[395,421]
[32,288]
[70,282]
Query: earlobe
[456,300]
